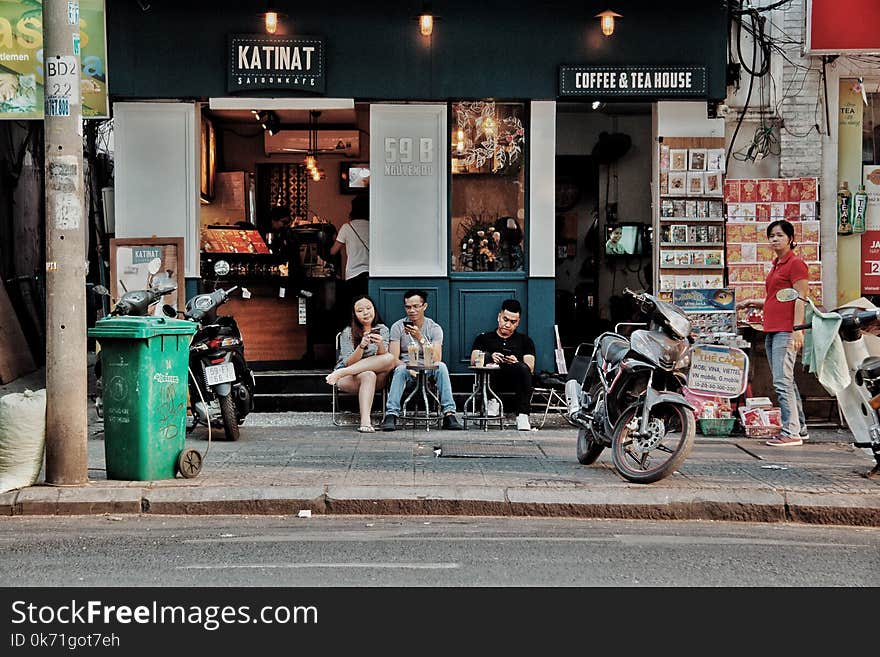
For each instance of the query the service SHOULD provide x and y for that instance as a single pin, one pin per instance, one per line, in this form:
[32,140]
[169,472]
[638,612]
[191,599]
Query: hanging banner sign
[718,370]
[633,81]
[22,60]
[263,61]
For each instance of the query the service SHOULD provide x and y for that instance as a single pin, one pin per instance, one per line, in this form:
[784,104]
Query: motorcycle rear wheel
[588,449]
[230,421]
[635,458]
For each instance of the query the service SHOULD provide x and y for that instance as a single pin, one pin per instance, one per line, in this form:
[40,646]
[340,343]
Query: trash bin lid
[140,327]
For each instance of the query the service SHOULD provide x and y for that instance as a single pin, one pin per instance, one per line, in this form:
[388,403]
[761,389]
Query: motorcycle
[217,366]
[627,395]
[859,402]
[134,303]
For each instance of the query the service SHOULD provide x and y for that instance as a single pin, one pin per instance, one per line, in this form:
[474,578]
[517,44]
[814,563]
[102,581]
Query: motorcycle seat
[613,349]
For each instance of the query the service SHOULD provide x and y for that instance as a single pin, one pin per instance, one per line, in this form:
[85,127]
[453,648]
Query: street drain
[491,450]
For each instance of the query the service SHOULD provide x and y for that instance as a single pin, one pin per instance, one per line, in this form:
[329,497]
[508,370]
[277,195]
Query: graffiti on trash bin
[169,411]
[117,388]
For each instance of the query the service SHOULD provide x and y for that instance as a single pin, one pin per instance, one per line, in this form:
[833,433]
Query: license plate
[222,373]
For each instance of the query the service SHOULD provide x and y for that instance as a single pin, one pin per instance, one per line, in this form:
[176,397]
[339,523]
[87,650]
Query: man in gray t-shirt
[420,330]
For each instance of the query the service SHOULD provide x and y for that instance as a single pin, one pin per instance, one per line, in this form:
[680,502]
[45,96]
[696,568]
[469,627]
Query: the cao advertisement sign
[633,81]
[261,61]
[718,370]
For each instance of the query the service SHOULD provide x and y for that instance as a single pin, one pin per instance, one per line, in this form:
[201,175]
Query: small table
[481,393]
[427,416]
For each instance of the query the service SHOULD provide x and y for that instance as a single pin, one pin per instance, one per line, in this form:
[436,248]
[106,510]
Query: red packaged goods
[737,233]
[777,211]
[798,232]
[764,193]
[816,292]
[760,234]
[765,253]
[731,191]
[779,191]
[808,211]
[746,273]
[815,269]
[748,192]
[810,232]
[762,212]
[809,189]
[734,253]
[793,211]
[809,252]
[794,189]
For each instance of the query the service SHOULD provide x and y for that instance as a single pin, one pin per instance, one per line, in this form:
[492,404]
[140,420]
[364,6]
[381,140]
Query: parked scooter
[217,366]
[859,402]
[627,395]
[136,303]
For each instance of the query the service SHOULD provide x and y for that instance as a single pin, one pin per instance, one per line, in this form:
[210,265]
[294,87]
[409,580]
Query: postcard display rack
[751,204]
[691,217]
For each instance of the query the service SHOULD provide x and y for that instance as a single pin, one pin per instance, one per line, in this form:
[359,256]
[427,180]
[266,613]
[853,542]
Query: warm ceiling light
[606,20]
[272,22]
[426,24]
[271,17]
[310,162]
[426,20]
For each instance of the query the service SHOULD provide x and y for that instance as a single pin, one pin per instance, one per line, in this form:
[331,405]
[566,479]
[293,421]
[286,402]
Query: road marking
[407,566]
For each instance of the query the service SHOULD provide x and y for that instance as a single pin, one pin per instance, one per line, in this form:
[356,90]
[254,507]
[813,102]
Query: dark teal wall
[487,48]
[465,308]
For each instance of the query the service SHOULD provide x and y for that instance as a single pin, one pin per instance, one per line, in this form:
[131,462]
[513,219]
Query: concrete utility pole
[66,378]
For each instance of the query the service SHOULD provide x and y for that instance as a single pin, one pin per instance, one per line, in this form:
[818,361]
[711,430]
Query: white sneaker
[493,408]
[522,422]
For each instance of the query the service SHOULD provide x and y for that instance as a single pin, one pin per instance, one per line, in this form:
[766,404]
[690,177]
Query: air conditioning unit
[338,142]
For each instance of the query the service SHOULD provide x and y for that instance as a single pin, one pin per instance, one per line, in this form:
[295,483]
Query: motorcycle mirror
[100,290]
[154,266]
[787,294]
[221,268]
[168,310]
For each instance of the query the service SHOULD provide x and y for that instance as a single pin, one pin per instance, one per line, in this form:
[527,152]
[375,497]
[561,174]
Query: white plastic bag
[22,438]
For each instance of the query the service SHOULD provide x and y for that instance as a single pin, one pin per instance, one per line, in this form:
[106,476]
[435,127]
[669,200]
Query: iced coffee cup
[413,351]
[428,351]
[480,359]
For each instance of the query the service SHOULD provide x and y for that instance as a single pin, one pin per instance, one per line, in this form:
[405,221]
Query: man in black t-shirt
[514,353]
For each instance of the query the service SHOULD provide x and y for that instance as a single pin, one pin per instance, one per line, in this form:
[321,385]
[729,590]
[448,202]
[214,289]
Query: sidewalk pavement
[289,463]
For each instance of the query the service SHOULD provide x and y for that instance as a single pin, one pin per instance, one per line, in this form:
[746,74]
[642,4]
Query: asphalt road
[428,551]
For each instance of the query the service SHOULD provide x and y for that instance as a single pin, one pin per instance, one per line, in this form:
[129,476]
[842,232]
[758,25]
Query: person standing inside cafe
[514,353]
[354,240]
[781,341]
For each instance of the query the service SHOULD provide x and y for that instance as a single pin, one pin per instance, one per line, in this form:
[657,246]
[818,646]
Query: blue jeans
[403,379]
[782,360]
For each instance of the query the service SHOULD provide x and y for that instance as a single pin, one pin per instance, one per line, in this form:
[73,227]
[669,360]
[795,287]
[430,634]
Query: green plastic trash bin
[144,363]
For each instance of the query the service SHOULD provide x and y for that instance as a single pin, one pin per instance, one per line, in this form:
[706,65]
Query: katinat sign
[259,61]
[633,81]
[843,26]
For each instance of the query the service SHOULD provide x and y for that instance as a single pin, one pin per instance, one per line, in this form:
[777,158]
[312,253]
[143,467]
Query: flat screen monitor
[354,177]
[623,239]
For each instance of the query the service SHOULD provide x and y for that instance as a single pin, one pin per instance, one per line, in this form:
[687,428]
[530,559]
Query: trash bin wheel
[189,463]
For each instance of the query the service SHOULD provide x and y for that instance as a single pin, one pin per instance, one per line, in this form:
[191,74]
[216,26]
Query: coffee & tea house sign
[261,61]
[633,81]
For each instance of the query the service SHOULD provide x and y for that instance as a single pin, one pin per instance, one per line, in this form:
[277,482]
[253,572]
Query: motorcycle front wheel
[649,458]
[230,421]
[588,448]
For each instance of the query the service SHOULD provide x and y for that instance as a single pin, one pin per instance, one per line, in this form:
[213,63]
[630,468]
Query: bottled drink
[844,210]
[860,208]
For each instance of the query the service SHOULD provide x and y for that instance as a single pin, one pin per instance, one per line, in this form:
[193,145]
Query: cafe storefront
[454,137]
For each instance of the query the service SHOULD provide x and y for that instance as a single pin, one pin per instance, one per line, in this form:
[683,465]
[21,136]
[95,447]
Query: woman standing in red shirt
[781,341]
